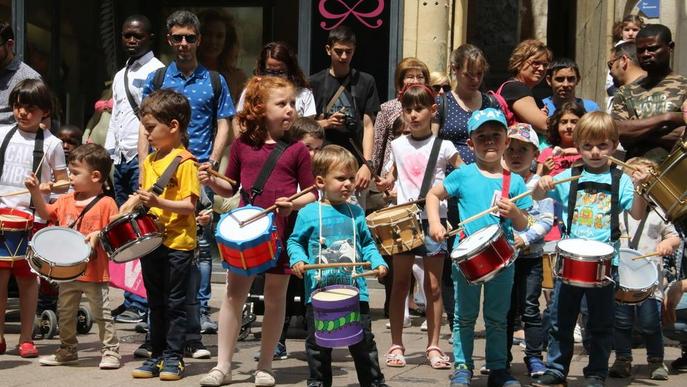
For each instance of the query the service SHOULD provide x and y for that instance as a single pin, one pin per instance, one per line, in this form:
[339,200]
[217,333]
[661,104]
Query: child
[411,156]
[88,210]
[266,119]
[321,226]
[164,117]
[309,132]
[523,148]
[562,153]
[71,138]
[20,155]
[648,236]
[595,138]
[476,187]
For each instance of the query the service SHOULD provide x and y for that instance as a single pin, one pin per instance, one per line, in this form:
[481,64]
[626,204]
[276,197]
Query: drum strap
[37,153]
[634,242]
[613,188]
[265,172]
[431,166]
[85,210]
[162,182]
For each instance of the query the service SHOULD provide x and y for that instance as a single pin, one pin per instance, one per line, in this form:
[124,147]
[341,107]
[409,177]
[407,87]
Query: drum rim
[27,221]
[127,218]
[650,262]
[33,252]
[128,244]
[603,283]
[586,258]
[271,227]
[328,287]
[479,248]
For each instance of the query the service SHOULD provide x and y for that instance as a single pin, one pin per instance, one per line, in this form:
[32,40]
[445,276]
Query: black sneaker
[150,369]
[593,381]
[172,369]
[502,378]
[549,379]
[145,351]
[196,350]
[680,364]
[141,327]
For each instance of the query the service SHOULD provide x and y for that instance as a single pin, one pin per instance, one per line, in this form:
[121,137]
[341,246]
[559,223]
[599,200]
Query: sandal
[438,362]
[395,359]
[216,377]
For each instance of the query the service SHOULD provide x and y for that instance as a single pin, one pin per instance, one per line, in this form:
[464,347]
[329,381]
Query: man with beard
[12,71]
[647,110]
[563,76]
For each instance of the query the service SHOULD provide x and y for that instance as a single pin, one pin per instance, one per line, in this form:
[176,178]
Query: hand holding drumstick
[284,206]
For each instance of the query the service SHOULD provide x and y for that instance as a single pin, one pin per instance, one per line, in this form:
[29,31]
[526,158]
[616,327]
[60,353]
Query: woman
[439,82]
[528,64]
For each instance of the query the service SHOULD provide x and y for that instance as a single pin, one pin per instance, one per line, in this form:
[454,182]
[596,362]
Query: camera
[350,120]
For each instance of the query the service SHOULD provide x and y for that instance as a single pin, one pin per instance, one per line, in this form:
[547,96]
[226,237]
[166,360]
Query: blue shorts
[431,247]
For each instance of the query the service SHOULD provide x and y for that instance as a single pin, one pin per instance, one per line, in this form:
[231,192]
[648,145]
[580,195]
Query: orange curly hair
[251,118]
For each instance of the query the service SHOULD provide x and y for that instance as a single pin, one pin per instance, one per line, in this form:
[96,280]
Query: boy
[307,131]
[563,76]
[71,138]
[523,148]
[476,187]
[320,227]
[164,116]
[88,210]
[595,138]
[649,235]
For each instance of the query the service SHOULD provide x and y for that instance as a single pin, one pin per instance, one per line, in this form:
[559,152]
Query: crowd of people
[323,153]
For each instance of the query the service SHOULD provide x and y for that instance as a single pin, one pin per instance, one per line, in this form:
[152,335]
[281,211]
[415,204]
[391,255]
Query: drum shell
[547,265]
[396,229]
[53,271]
[14,234]
[667,187]
[128,231]
[587,272]
[337,323]
[488,261]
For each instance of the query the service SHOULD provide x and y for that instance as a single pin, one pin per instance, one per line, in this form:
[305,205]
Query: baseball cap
[524,132]
[480,117]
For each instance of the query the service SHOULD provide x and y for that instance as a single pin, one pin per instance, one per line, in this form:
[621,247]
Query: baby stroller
[255,303]
[46,324]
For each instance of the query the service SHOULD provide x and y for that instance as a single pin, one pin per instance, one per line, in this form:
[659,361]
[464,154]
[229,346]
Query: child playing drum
[591,207]
[647,236]
[33,149]
[266,118]
[478,187]
[88,210]
[321,226]
[413,156]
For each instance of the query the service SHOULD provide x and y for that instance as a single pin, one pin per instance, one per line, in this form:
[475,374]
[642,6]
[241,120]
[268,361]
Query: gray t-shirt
[15,72]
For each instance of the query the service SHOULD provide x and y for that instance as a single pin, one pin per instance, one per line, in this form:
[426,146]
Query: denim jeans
[647,316]
[525,303]
[678,331]
[192,305]
[447,291]
[205,239]
[166,274]
[496,304]
[563,313]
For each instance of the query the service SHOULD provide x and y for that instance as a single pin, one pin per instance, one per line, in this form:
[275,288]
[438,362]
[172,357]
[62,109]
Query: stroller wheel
[48,324]
[84,320]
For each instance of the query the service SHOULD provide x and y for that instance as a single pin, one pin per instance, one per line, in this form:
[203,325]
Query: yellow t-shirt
[180,230]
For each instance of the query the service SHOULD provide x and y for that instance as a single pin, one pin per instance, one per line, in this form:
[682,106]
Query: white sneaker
[110,361]
[264,378]
[577,333]
[406,324]
[423,327]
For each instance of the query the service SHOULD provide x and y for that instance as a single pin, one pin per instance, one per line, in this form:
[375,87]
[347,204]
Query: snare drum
[14,233]
[483,254]
[337,316]
[638,279]
[397,229]
[548,263]
[58,254]
[667,187]
[251,249]
[132,236]
[584,263]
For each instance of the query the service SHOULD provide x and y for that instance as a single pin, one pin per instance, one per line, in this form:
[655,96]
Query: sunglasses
[275,73]
[177,39]
[610,62]
[438,88]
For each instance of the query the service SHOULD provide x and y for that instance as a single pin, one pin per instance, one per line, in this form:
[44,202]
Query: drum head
[636,274]
[137,249]
[475,242]
[60,246]
[336,294]
[229,230]
[387,215]
[585,248]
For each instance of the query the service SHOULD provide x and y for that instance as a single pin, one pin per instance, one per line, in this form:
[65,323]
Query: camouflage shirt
[639,100]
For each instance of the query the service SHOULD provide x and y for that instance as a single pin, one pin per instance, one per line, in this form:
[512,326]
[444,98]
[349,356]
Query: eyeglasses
[177,39]
[536,63]
[438,88]
[610,62]
[275,73]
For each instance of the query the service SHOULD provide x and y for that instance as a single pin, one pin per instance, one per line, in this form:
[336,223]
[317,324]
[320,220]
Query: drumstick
[24,191]
[38,168]
[316,266]
[274,206]
[369,273]
[218,175]
[621,163]
[494,208]
[646,256]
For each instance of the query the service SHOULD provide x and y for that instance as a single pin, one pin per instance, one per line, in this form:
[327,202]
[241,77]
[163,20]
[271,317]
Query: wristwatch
[214,164]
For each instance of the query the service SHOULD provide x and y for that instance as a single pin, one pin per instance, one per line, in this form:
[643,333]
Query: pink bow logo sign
[363,17]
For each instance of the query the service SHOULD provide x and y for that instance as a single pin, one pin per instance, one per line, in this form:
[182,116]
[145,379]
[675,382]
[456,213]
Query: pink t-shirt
[560,162]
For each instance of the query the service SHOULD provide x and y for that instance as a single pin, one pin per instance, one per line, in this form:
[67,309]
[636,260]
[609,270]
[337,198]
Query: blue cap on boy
[479,117]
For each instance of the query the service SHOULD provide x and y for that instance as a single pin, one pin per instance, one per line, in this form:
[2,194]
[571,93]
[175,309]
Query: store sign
[650,8]
[336,12]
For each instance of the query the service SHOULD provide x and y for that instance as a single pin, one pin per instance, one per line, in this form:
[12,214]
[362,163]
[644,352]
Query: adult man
[122,134]
[647,111]
[624,65]
[208,133]
[12,71]
[563,76]
[346,101]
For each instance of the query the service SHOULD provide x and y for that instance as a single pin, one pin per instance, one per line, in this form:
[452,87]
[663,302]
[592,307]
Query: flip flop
[397,360]
[438,362]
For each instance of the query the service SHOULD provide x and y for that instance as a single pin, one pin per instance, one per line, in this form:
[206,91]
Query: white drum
[638,278]
[58,254]
[583,262]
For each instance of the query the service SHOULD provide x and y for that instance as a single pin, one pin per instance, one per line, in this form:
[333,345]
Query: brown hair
[406,65]
[95,157]
[251,118]
[555,120]
[166,105]
[469,56]
[618,26]
[525,50]
[415,95]
[304,126]
[331,157]
[595,126]
[282,52]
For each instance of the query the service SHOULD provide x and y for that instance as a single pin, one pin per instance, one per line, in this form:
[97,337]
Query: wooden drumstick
[218,175]
[62,184]
[369,273]
[316,266]
[274,206]
[654,254]
[494,208]
[621,163]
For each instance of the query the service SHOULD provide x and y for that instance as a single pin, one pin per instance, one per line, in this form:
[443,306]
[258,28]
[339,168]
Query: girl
[31,104]
[626,30]
[411,157]
[562,153]
[267,116]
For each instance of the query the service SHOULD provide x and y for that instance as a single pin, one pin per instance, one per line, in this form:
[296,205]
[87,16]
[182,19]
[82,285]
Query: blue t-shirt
[198,90]
[335,232]
[592,213]
[589,105]
[476,192]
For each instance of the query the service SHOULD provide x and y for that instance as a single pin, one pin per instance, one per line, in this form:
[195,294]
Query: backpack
[501,102]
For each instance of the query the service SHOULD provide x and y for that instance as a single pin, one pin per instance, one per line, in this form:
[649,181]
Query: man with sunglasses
[12,71]
[647,110]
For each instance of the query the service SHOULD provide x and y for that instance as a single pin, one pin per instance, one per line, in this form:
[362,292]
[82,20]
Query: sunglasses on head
[178,38]
[438,88]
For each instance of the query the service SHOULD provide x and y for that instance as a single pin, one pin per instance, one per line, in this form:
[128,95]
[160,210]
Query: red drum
[132,236]
[15,226]
[483,254]
[584,263]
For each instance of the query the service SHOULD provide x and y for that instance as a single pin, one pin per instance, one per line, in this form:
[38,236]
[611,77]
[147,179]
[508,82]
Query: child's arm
[185,206]
[285,207]
[437,231]
[668,246]
[219,186]
[542,224]
[639,205]
[60,178]
[456,161]
[297,245]
[33,186]
[508,209]
[544,185]
[369,249]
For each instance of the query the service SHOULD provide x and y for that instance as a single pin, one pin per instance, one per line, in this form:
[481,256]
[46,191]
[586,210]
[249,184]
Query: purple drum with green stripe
[337,316]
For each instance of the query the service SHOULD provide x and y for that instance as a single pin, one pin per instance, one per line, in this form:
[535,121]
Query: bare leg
[4,280]
[433,271]
[399,294]
[273,321]
[230,318]
[28,295]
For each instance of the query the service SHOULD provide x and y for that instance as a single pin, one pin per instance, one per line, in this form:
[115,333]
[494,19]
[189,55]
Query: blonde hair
[333,157]
[641,163]
[525,50]
[595,126]
[438,78]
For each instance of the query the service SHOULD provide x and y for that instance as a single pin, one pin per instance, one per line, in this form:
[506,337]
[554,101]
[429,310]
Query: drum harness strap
[159,187]
[593,187]
[90,205]
[265,172]
[634,242]
[37,154]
